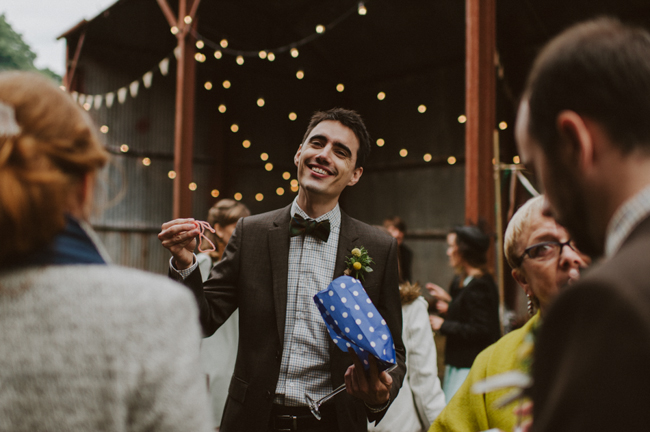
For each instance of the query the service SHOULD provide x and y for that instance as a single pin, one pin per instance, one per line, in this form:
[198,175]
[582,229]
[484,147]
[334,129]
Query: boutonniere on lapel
[358,263]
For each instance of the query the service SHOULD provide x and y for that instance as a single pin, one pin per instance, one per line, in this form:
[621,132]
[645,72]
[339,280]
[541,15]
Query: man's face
[565,197]
[326,160]
[395,233]
[543,276]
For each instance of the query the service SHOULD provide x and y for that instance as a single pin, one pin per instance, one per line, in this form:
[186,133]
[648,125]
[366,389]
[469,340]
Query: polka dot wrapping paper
[353,321]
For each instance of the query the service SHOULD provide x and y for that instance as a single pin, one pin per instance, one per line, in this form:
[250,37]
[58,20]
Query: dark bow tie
[300,225]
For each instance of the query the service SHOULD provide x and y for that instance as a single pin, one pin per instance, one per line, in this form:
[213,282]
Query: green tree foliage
[15,54]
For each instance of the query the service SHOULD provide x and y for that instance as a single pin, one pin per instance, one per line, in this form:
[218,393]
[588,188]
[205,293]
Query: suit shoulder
[264,219]
[368,231]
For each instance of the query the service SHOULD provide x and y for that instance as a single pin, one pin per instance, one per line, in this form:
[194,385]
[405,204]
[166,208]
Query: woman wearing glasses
[472,316]
[543,260]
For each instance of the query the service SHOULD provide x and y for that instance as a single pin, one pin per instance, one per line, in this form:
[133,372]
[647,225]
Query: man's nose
[324,153]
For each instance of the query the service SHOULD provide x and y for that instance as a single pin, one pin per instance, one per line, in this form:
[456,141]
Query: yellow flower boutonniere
[358,263]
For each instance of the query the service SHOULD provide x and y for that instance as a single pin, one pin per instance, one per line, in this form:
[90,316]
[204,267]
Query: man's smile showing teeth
[319,171]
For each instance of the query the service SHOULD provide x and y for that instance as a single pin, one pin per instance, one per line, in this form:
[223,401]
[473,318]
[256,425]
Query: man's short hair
[397,222]
[520,223]
[599,69]
[350,119]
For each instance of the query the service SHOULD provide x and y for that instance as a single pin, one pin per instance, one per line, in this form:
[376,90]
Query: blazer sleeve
[390,308]
[591,361]
[478,300]
[217,296]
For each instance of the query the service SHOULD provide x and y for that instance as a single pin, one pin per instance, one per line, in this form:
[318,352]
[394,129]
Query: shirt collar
[625,219]
[333,215]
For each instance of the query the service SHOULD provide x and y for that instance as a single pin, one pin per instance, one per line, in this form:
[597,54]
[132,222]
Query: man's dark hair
[397,222]
[601,70]
[350,119]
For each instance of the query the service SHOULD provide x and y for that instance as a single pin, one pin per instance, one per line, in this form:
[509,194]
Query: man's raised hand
[179,237]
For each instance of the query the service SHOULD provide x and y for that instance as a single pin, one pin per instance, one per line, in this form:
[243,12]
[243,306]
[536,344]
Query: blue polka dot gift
[354,322]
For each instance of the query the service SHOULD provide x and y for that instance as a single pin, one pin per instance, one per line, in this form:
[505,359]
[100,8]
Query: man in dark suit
[584,127]
[273,265]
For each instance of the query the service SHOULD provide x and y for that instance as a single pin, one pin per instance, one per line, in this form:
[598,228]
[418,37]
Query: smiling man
[584,127]
[272,267]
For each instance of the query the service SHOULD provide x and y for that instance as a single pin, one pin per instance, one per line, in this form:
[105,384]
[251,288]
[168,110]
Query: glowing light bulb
[240,60]
[427,157]
[200,44]
[174,30]
[224,43]
[286,175]
[264,156]
[300,74]
[214,193]
[293,183]
[238,196]
[171,174]
[260,102]
[503,125]
[270,57]
[124,148]
[294,52]
[403,152]
[362,9]
[226,84]
[103,129]
[268,166]
[259,197]
[279,191]
[320,28]
[246,143]
[380,142]
[340,88]
[262,54]
[192,186]
[462,118]
[218,54]
[208,85]
[516,159]
[451,160]
[381,95]
[146,161]
[422,109]
[187,19]
[234,128]
[222,108]
[293,116]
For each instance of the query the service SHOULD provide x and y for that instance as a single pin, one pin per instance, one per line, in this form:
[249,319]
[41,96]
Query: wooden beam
[167,11]
[184,121]
[480,106]
[69,76]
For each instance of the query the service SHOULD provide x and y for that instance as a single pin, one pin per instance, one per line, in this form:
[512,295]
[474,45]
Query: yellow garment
[469,412]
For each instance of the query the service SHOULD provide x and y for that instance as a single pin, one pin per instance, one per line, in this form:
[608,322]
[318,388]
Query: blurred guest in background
[219,351]
[86,345]
[397,228]
[420,399]
[472,314]
[543,260]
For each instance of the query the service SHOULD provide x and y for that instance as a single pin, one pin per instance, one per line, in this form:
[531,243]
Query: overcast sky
[41,21]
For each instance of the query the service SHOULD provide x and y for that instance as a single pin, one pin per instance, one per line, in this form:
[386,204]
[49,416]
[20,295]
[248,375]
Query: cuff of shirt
[184,273]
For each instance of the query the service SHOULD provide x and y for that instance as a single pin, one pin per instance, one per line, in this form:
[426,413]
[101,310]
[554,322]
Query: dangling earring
[531,306]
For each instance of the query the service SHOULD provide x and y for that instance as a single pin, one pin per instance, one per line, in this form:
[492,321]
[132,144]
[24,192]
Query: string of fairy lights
[220,49]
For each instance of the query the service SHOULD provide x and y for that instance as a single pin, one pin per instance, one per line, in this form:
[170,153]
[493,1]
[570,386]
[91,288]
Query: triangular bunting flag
[88,103]
[75,96]
[110,97]
[121,95]
[133,88]
[98,101]
[164,66]
[147,78]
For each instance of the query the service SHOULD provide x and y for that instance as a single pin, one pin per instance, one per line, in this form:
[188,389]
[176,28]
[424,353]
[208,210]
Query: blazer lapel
[279,254]
[347,238]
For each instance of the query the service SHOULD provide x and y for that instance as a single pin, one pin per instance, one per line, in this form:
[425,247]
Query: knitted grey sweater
[98,348]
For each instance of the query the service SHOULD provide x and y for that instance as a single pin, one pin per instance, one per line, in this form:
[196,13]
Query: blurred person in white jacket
[421,398]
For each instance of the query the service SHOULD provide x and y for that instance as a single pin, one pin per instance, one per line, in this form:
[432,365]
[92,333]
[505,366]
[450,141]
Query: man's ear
[356,175]
[296,158]
[577,136]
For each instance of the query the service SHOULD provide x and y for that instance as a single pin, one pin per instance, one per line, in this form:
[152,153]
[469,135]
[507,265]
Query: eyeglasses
[546,250]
